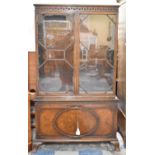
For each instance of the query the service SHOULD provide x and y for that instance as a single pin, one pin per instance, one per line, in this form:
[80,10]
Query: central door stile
[76,53]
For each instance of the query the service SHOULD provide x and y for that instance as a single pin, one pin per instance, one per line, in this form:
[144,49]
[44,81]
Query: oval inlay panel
[67,122]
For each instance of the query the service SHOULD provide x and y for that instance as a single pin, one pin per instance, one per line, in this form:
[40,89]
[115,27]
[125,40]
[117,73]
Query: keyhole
[77,133]
[77,129]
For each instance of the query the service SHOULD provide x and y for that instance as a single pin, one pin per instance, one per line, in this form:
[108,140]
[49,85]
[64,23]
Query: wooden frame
[77,10]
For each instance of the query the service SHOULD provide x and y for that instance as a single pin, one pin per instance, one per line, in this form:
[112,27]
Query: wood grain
[32,69]
[58,120]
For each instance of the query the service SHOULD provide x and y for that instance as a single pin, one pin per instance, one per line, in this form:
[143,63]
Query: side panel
[32,69]
[29,125]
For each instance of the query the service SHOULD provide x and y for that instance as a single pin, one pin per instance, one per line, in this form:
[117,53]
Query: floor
[78,149]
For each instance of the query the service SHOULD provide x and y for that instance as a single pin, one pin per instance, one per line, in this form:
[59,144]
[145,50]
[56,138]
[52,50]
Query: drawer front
[75,121]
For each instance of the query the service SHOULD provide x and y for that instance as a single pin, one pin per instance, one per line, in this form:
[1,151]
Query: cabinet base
[111,145]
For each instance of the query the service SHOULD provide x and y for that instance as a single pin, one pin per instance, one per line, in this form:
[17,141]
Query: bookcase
[76,73]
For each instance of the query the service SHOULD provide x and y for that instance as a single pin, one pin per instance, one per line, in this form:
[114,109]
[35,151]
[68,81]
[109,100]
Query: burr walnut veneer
[57,121]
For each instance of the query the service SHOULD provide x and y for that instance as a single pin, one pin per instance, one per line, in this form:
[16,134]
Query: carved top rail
[67,9]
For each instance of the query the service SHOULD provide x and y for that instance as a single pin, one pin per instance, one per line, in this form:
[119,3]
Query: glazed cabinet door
[97,53]
[55,45]
[76,53]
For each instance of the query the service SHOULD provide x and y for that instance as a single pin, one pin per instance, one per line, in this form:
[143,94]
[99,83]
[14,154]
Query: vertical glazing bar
[36,48]
[76,53]
[44,30]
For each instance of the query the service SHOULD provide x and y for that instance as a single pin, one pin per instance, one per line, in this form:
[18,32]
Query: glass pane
[55,48]
[97,35]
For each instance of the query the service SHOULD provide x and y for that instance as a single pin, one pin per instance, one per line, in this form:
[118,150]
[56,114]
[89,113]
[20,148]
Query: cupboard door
[55,53]
[55,121]
[97,46]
